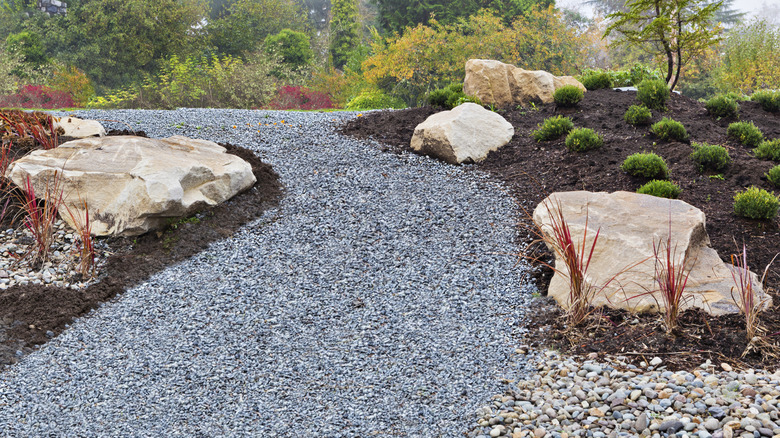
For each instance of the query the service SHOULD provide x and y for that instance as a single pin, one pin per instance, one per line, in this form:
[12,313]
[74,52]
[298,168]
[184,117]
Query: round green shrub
[722,106]
[746,133]
[660,188]
[568,96]
[710,156]
[653,93]
[646,165]
[769,100]
[552,128]
[768,150]
[596,80]
[774,176]
[756,203]
[446,97]
[638,115]
[583,139]
[374,99]
[293,46]
[668,129]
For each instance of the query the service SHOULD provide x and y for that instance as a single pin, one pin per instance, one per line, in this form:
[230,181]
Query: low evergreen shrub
[595,80]
[660,188]
[638,115]
[668,129]
[769,100]
[374,99]
[746,133]
[774,176]
[583,139]
[568,96]
[756,203]
[653,93]
[710,156]
[722,106]
[552,128]
[646,165]
[768,150]
[450,96]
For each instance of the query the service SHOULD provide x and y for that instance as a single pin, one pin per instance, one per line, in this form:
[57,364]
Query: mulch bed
[534,170]
[50,308]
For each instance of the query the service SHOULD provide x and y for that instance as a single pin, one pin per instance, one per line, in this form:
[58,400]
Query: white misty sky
[749,6]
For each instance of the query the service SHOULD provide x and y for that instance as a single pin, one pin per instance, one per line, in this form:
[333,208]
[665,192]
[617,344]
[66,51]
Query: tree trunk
[667,47]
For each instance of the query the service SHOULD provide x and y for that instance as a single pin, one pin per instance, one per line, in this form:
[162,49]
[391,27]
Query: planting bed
[532,170]
[32,314]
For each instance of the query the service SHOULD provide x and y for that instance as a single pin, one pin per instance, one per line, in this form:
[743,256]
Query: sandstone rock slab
[505,85]
[132,184]
[467,133]
[628,225]
[78,128]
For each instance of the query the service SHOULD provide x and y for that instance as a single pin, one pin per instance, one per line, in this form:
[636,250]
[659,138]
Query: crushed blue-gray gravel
[381,298]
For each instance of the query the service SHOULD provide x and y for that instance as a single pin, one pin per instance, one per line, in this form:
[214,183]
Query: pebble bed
[565,397]
[381,298]
[61,267]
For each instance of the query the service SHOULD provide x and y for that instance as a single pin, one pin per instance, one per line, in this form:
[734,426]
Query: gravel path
[377,300]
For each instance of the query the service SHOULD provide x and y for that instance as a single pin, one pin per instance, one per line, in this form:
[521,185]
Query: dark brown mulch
[533,170]
[50,308]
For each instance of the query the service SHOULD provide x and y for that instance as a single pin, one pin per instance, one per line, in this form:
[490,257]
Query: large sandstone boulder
[505,85]
[78,128]
[629,224]
[467,133]
[133,184]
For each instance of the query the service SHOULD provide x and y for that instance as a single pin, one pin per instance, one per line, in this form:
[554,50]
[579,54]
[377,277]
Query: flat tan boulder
[133,184]
[465,134]
[629,224]
[78,128]
[505,85]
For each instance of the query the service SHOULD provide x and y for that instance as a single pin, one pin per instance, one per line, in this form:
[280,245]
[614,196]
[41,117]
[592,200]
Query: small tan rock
[465,134]
[78,128]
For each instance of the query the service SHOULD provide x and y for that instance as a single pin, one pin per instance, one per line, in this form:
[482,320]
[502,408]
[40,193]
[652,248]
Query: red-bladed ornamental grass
[671,278]
[86,247]
[576,257]
[39,217]
[35,127]
[743,295]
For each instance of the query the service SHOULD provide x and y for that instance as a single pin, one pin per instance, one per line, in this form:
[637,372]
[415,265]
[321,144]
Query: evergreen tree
[679,29]
[396,15]
[344,30]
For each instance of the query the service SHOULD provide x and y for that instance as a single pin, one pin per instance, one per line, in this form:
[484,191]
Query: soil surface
[31,315]
[534,170]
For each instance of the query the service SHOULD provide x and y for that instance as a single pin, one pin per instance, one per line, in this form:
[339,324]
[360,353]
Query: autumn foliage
[428,57]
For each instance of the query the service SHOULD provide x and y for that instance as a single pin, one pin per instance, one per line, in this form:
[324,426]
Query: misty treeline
[335,53]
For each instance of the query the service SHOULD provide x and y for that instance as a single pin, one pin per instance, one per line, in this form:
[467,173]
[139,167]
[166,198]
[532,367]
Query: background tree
[29,46]
[294,47]
[428,57]
[751,56]
[677,29]
[244,24]
[344,30]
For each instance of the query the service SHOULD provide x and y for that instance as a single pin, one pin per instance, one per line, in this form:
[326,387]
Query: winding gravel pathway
[377,300]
